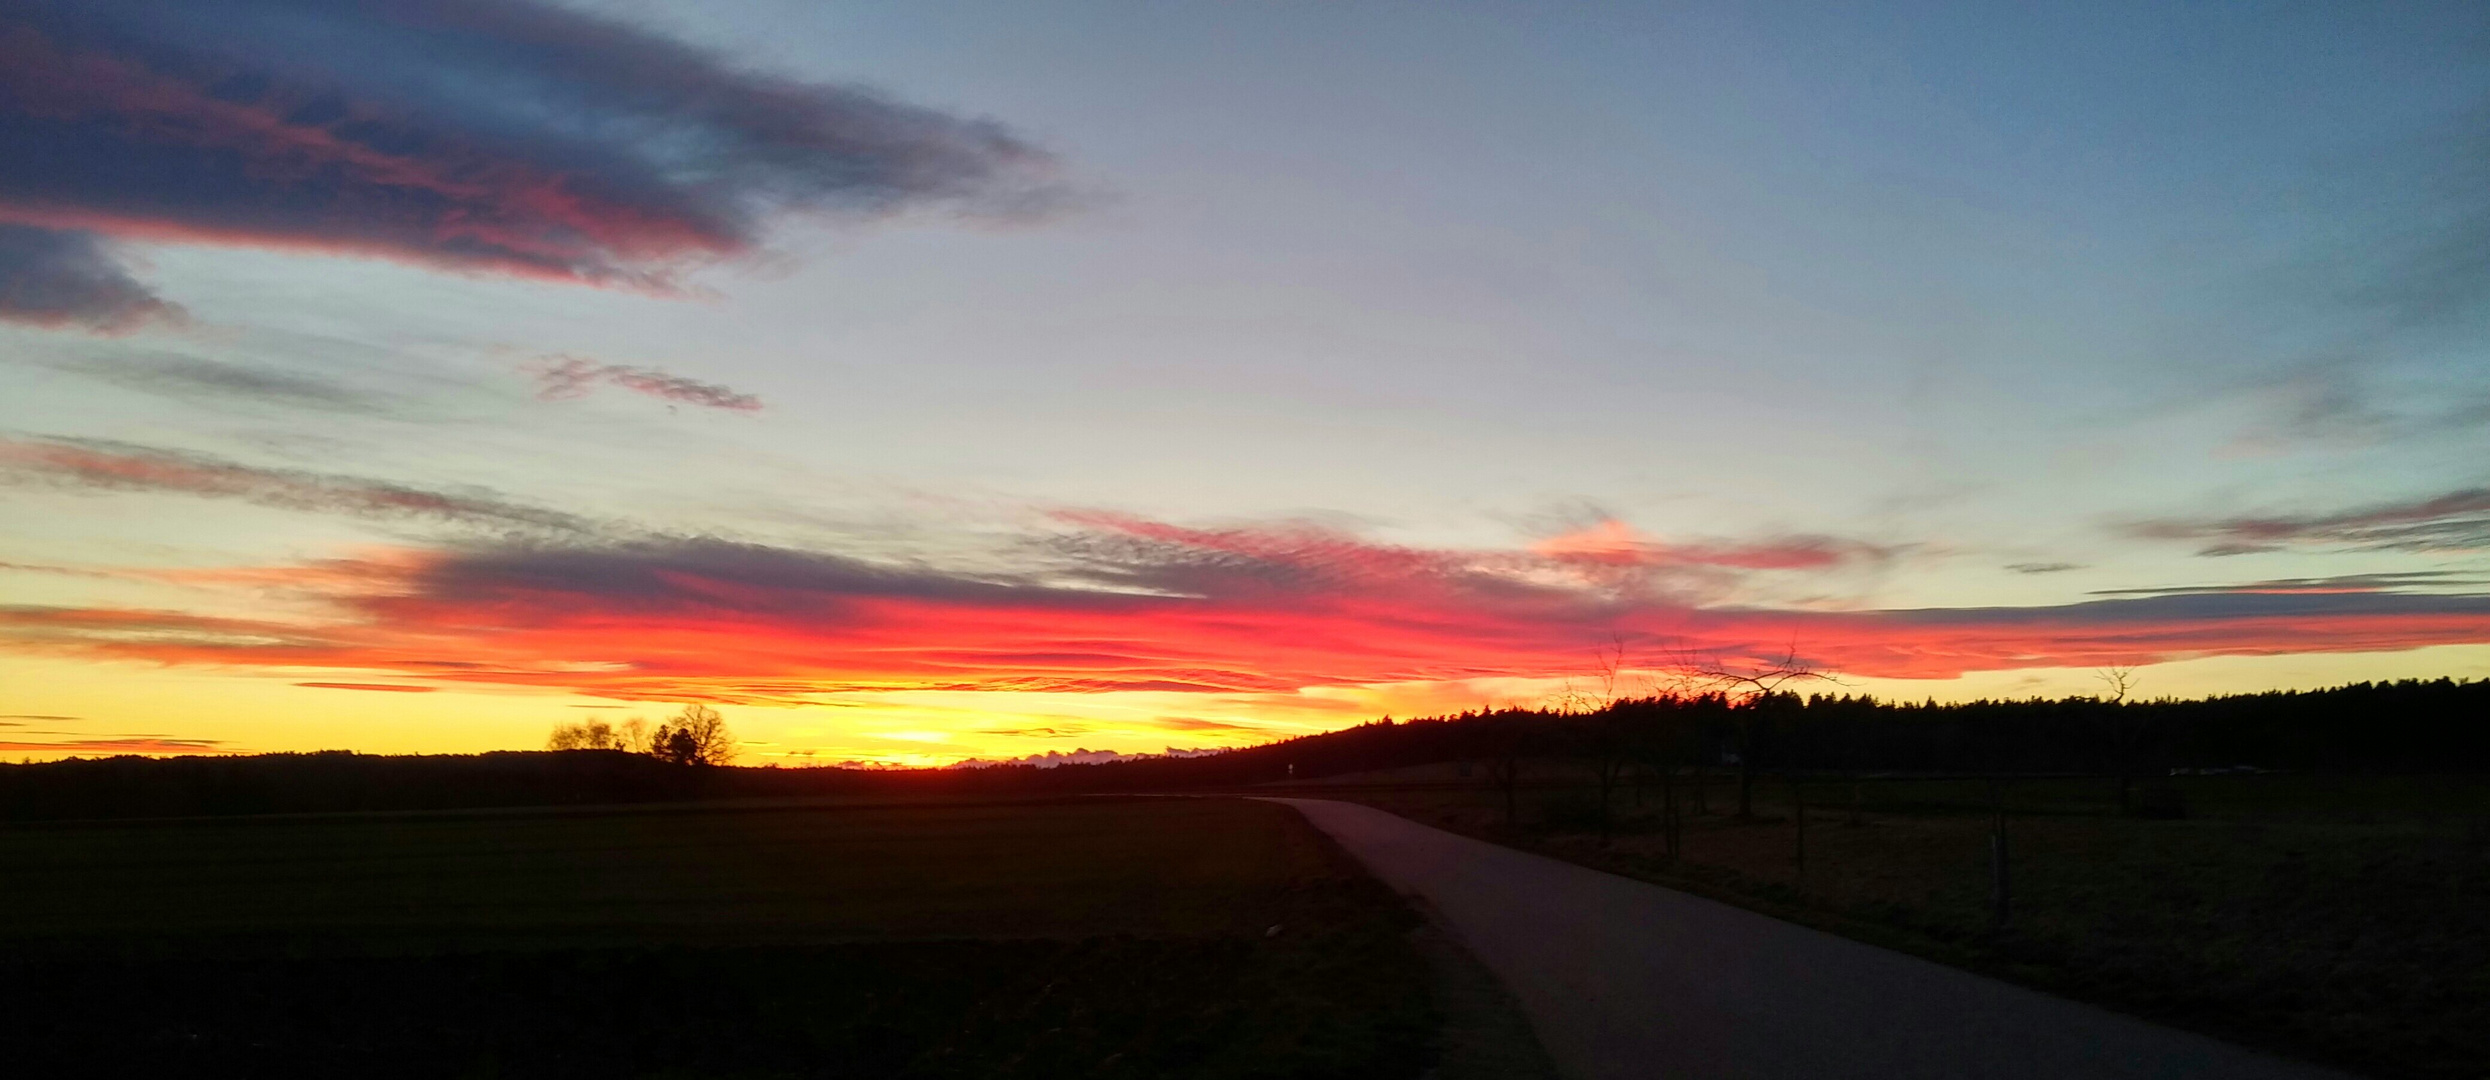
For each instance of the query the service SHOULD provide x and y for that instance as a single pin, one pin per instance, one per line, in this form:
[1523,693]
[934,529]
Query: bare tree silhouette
[1755,688]
[695,736]
[2125,729]
[630,736]
[2120,680]
[1598,731]
[585,735]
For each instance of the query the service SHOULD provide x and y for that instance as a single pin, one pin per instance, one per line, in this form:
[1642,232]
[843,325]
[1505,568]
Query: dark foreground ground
[1090,937]
[2330,918]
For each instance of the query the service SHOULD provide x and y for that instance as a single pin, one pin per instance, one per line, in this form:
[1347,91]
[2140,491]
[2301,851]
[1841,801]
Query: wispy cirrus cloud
[193,377]
[54,742]
[563,377]
[498,136]
[2455,521]
[1127,604]
[154,745]
[104,465]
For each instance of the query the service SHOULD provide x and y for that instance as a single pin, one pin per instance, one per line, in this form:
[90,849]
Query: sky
[926,382]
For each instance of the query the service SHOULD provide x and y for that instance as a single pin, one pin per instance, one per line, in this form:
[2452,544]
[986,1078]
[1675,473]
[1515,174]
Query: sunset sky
[926,381]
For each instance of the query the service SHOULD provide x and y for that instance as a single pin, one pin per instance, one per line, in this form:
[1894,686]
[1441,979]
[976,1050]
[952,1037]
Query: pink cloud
[1612,542]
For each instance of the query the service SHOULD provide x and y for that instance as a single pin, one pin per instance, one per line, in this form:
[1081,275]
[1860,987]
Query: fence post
[2001,897]
[1668,810]
[1798,801]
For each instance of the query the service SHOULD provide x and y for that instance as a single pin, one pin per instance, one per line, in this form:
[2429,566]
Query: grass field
[1093,937]
[2343,919]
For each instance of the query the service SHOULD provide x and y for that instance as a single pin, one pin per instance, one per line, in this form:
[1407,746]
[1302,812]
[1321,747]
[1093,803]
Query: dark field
[1092,937]
[2341,919]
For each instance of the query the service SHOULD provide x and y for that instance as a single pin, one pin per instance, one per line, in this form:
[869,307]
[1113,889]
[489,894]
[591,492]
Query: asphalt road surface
[1620,978]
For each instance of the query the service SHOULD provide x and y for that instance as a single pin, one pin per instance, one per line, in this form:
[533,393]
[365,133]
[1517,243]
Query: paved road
[1626,979]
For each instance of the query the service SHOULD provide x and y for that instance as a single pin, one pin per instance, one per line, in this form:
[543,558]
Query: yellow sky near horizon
[84,708]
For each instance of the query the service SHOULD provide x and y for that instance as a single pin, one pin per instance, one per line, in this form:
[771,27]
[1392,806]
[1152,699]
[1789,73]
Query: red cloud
[1138,605]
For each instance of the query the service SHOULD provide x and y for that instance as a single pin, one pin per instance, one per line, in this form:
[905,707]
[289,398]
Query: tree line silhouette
[2399,727]
[2408,726]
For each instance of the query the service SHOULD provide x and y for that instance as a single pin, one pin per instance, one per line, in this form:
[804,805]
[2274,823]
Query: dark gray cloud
[2432,268]
[69,278]
[2195,611]
[2456,521]
[99,464]
[2336,400]
[2398,280]
[181,376]
[2406,581]
[1122,553]
[2322,401]
[504,136]
[701,573]
[562,377]
[2043,567]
